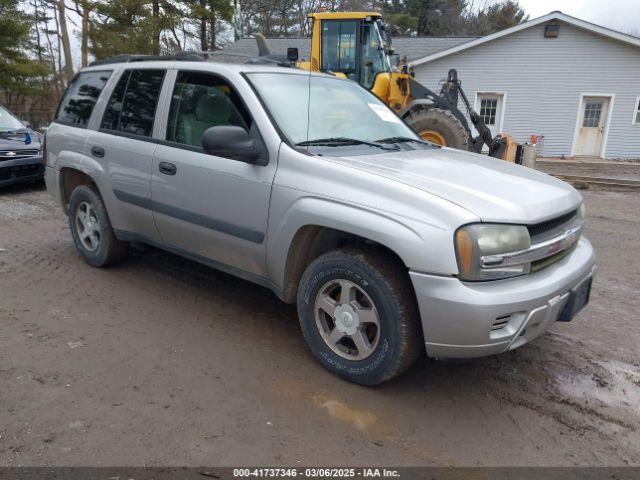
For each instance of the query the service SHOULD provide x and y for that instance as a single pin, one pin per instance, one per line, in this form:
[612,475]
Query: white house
[573,82]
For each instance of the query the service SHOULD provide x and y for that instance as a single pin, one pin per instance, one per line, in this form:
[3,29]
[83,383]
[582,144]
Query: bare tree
[84,8]
[64,37]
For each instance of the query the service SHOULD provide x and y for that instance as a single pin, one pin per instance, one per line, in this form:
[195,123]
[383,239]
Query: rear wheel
[91,229]
[439,126]
[359,316]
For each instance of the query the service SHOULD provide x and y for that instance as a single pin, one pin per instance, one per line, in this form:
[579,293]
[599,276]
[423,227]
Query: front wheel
[359,316]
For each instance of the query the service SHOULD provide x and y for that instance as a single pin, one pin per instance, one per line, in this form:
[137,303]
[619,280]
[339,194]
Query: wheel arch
[77,169]
[313,226]
[415,105]
[312,241]
[70,179]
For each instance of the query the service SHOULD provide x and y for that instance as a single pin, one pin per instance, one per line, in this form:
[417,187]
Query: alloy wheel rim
[347,319]
[88,227]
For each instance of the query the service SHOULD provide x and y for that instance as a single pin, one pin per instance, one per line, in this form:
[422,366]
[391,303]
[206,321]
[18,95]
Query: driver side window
[200,101]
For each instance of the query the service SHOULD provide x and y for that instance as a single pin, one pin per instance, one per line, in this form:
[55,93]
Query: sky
[621,15]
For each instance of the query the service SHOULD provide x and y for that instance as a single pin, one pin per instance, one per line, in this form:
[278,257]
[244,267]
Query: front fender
[420,246]
[415,103]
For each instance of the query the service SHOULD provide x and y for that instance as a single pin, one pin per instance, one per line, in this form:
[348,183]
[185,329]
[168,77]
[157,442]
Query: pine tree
[500,16]
[123,26]
[209,17]
[18,72]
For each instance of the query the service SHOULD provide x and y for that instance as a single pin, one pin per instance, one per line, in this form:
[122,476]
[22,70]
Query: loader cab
[353,44]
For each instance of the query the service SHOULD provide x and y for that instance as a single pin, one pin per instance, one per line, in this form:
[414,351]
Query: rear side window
[132,106]
[81,96]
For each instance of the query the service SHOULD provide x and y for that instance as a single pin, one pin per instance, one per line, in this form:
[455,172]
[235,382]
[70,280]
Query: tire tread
[116,250]
[442,121]
[393,275]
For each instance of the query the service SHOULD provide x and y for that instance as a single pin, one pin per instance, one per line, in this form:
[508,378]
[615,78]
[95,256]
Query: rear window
[132,106]
[81,96]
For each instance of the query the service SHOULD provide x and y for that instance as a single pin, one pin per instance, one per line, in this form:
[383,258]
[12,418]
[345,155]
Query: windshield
[8,122]
[309,108]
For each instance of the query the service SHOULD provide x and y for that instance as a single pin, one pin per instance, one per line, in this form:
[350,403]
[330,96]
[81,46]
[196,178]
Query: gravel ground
[161,361]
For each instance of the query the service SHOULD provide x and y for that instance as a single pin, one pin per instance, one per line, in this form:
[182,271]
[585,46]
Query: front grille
[554,227]
[19,171]
[16,154]
[546,233]
[545,262]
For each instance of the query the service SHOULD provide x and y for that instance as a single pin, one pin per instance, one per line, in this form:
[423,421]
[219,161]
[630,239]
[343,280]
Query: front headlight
[478,244]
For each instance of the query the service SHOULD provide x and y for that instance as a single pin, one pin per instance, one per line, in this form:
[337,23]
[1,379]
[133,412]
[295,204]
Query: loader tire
[439,126]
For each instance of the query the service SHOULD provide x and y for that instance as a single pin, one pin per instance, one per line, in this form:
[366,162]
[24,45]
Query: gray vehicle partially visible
[312,187]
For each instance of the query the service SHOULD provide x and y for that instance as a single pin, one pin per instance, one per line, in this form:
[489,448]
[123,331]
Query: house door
[490,107]
[592,125]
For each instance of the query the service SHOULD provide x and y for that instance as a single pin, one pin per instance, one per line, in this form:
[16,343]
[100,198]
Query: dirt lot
[629,170]
[161,361]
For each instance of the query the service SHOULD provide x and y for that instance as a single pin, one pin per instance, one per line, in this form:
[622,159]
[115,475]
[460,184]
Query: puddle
[619,387]
[361,419]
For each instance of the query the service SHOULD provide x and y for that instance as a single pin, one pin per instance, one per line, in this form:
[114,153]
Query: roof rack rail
[231,57]
[127,58]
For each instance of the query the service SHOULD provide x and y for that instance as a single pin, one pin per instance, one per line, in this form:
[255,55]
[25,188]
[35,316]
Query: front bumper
[21,170]
[466,320]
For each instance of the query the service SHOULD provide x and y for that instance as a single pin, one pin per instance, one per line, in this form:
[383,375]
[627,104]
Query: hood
[18,141]
[492,189]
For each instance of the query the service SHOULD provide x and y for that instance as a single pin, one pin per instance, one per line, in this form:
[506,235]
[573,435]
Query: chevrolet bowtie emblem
[11,154]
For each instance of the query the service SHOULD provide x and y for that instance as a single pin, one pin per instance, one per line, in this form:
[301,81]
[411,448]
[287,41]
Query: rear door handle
[167,168]
[97,152]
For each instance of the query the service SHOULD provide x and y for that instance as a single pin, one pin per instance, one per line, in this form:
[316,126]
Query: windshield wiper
[400,140]
[337,141]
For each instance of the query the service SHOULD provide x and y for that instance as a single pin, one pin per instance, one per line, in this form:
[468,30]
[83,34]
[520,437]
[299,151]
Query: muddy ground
[160,361]
[629,170]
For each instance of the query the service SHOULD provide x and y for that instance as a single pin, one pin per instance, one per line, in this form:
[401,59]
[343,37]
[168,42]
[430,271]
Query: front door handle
[167,168]
[97,152]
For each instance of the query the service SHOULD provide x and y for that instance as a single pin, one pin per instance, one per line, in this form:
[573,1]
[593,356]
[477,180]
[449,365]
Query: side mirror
[292,54]
[231,141]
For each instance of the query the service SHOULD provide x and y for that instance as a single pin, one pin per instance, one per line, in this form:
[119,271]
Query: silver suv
[311,186]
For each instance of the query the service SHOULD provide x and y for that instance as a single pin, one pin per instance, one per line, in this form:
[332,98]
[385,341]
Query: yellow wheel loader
[356,45]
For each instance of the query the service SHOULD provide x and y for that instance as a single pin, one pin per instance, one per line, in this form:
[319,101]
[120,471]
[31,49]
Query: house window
[488,110]
[592,112]
[636,112]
